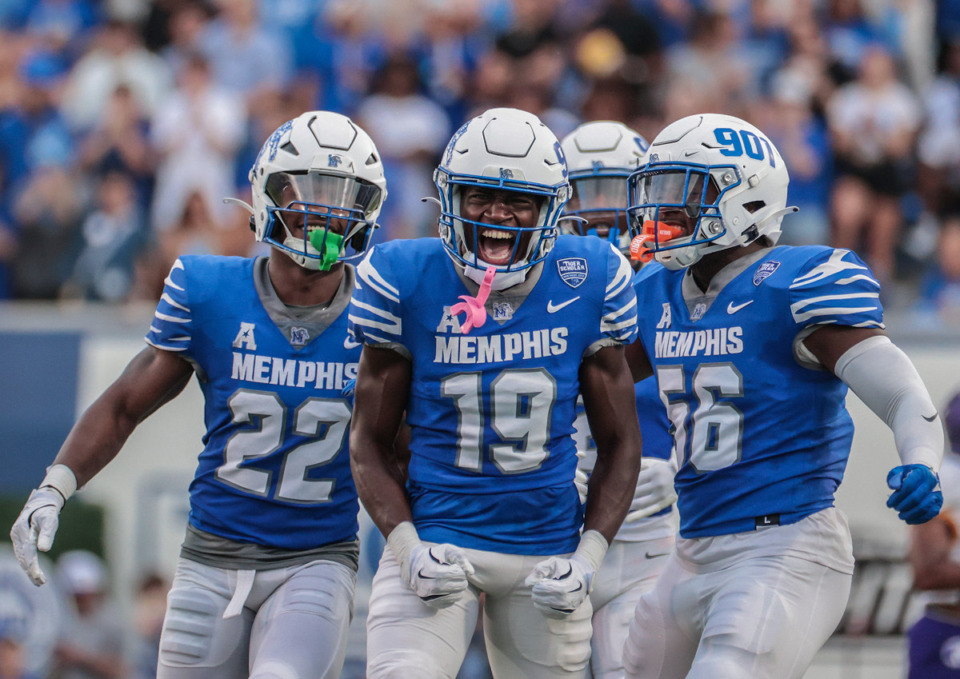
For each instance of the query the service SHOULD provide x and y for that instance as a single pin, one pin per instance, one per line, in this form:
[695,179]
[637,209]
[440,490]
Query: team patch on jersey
[245,338]
[299,336]
[698,311]
[573,270]
[764,272]
[502,311]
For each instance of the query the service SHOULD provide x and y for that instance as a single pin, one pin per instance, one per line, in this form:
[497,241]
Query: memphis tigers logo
[765,271]
[573,270]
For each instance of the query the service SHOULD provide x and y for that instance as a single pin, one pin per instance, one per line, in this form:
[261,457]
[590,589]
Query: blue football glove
[916,493]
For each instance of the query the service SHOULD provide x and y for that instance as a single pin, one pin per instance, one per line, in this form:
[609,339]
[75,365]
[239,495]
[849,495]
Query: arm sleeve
[172,326]
[375,316]
[887,382]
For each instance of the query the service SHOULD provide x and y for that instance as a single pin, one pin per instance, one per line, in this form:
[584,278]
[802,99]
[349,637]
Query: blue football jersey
[491,412]
[761,438]
[275,468]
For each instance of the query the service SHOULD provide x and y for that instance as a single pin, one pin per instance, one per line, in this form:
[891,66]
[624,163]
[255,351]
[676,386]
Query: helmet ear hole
[754,206]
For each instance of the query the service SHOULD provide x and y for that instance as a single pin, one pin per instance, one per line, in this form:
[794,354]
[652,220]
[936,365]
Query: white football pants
[284,623]
[629,569]
[406,638]
[757,604]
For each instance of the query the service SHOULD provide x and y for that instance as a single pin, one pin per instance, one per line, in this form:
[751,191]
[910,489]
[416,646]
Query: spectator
[13,664]
[117,58]
[939,302]
[47,214]
[114,236]
[149,608]
[411,131]
[197,132]
[119,142]
[935,558]
[245,58]
[804,143]
[873,122]
[92,644]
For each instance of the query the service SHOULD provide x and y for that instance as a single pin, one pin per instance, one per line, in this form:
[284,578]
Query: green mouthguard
[328,245]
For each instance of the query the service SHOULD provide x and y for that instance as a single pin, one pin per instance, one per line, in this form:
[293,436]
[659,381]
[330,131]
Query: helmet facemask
[323,218]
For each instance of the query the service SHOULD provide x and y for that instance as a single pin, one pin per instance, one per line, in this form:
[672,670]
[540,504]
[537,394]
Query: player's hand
[437,574]
[560,585]
[655,489]
[580,480]
[916,493]
[35,529]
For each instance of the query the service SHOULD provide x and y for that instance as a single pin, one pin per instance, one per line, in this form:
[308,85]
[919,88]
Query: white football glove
[655,489]
[561,584]
[39,519]
[437,574]
[580,480]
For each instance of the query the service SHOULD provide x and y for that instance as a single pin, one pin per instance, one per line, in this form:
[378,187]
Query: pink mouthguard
[473,306]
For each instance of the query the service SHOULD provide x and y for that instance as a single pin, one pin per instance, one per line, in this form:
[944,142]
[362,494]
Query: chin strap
[473,307]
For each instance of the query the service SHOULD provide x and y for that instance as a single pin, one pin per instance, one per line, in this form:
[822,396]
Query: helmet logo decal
[641,144]
[333,160]
[271,146]
[505,173]
[744,142]
[448,154]
[573,270]
[765,271]
[597,165]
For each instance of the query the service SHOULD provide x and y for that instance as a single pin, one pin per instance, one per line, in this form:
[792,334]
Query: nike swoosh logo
[350,344]
[931,418]
[422,576]
[734,308]
[656,556]
[554,308]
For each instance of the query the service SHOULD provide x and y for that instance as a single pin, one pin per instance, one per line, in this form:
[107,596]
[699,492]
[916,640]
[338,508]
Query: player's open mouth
[495,246]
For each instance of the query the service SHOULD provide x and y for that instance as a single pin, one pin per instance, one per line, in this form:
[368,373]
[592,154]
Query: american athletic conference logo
[573,270]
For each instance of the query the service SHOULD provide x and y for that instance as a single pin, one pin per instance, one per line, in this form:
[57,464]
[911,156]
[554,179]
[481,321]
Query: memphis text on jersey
[497,347]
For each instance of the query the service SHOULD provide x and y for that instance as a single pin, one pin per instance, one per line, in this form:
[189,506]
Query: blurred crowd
[124,123]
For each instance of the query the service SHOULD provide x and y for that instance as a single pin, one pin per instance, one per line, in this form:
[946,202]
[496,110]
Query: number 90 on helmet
[318,187]
[502,149]
[711,182]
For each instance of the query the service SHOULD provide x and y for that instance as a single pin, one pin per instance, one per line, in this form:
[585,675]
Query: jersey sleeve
[172,325]
[374,316]
[836,287]
[619,320]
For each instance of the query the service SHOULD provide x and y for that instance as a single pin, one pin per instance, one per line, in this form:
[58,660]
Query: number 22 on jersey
[323,420]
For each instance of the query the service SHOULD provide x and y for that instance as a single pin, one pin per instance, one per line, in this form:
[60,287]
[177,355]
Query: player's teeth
[503,235]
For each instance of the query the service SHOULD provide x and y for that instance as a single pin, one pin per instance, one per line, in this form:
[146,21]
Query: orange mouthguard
[652,232]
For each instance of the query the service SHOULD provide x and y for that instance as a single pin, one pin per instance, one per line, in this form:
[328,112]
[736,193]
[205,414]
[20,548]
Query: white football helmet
[504,149]
[600,157]
[711,182]
[322,172]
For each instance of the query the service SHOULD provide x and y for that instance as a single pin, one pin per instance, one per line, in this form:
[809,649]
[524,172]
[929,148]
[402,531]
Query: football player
[264,585]
[754,347]
[489,385]
[600,156]
[935,558]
